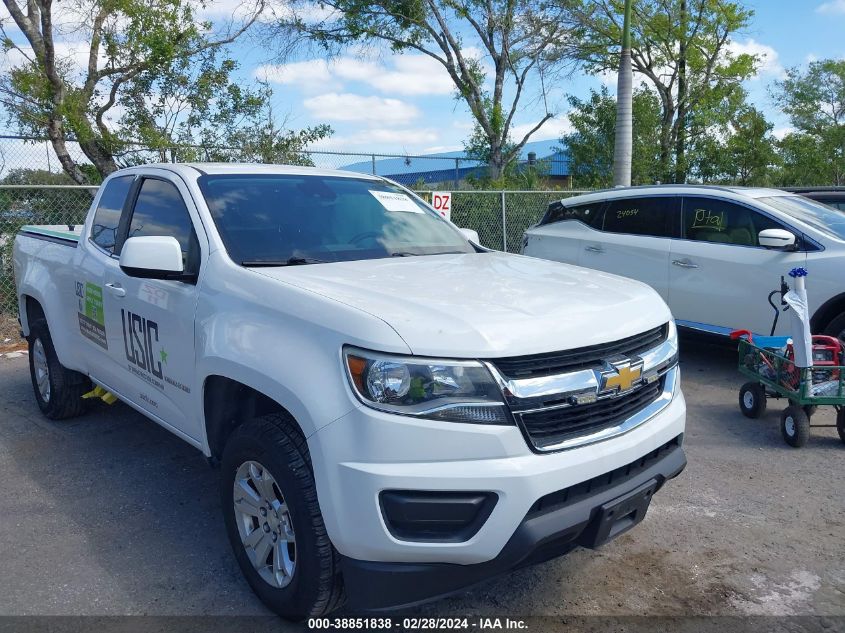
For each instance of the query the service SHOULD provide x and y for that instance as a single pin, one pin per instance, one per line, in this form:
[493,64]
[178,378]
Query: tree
[623,142]
[133,47]
[803,162]
[815,103]
[519,41]
[681,47]
[591,143]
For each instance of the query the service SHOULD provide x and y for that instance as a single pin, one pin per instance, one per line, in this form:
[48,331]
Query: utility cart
[769,364]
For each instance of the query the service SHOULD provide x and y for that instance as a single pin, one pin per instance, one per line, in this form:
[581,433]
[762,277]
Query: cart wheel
[795,426]
[752,400]
[840,423]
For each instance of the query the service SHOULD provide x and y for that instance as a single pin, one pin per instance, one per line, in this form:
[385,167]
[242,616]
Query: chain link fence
[27,160]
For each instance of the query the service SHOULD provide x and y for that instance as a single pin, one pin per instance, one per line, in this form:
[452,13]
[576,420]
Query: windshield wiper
[409,254]
[403,254]
[290,261]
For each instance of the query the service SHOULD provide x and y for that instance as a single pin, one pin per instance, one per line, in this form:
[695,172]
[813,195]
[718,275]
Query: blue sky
[405,104]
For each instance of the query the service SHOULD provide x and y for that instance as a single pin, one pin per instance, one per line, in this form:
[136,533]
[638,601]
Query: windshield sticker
[90,312]
[396,201]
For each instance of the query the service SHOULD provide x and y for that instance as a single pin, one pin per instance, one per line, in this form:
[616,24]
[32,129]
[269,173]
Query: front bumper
[366,452]
[552,527]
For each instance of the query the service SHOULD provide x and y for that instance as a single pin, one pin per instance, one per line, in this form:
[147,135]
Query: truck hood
[486,304]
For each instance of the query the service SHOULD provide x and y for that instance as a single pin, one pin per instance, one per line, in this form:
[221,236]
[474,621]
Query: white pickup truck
[397,412]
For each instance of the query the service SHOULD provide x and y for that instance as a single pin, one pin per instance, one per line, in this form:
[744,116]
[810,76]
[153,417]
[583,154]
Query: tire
[836,327]
[795,426]
[840,423]
[58,390]
[272,445]
[752,400]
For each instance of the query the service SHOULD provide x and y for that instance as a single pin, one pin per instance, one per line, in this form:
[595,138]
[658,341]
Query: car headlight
[450,390]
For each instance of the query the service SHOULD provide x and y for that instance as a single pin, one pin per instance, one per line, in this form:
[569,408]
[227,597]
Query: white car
[397,413]
[713,253]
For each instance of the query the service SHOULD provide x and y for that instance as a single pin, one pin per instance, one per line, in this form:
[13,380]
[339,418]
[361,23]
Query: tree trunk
[623,143]
[102,160]
[666,147]
[495,166]
[680,140]
[55,133]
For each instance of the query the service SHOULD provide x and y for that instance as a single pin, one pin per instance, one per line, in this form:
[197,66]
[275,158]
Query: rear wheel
[840,423]
[273,520]
[795,426]
[58,390]
[752,400]
[837,327]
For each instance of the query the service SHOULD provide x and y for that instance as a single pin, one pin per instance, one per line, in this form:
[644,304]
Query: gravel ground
[109,514]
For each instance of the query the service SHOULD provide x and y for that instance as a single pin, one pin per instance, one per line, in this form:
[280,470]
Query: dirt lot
[109,514]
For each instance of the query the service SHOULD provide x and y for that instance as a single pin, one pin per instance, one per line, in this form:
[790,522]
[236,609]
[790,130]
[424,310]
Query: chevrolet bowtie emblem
[622,376]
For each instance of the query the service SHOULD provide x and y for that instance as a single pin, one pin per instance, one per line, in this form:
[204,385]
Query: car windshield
[304,219]
[819,216]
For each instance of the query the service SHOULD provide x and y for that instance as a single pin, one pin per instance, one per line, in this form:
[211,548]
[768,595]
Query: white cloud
[551,129]
[312,73]
[399,140]
[405,75]
[768,56]
[780,132]
[333,106]
[834,6]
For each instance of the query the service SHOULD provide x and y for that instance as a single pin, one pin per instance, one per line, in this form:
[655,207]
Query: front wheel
[273,520]
[58,390]
[795,426]
[752,400]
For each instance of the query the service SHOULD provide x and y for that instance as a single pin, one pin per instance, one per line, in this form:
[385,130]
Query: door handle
[116,289]
[684,263]
[594,249]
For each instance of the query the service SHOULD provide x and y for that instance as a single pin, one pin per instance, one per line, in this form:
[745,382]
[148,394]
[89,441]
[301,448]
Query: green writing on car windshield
[94,303]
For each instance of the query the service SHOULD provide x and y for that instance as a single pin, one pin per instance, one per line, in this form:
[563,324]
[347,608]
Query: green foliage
[491,51]
[590,144]
[683,54]
[814,100]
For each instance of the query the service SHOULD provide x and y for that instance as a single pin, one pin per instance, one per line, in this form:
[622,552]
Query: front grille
[549,364]
[551,426]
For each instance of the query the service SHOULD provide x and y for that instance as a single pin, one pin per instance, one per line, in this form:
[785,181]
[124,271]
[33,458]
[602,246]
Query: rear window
[589,214]
[641,216]
[107,217]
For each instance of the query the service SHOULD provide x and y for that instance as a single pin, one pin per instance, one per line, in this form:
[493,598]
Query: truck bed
[60,233]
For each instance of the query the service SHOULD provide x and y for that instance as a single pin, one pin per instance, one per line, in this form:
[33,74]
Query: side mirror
[776,238]
[152,257]
[471,235]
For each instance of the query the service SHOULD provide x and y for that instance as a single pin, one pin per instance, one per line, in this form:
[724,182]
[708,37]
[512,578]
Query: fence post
[504,224]
[374,164]
[457,172]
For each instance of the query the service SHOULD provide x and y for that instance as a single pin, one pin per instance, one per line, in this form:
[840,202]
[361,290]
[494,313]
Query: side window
[161,211]
[723,222]
[107,216]
[589,214]
[641,216]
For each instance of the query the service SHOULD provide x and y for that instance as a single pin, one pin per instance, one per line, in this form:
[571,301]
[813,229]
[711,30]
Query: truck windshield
[303,219]
[819,216]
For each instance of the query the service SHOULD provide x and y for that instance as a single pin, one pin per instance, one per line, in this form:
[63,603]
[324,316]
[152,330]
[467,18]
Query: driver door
[155,318]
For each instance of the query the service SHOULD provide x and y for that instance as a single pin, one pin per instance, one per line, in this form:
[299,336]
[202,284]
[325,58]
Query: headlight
[456,391]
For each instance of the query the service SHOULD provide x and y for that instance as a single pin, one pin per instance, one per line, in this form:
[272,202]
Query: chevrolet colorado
[397,412]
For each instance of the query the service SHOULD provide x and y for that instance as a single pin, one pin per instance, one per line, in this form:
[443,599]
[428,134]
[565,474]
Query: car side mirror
[471,235]
[152,257]
[776,238]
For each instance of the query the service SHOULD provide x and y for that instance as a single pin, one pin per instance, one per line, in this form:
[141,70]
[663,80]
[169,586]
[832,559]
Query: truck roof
[250,168]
